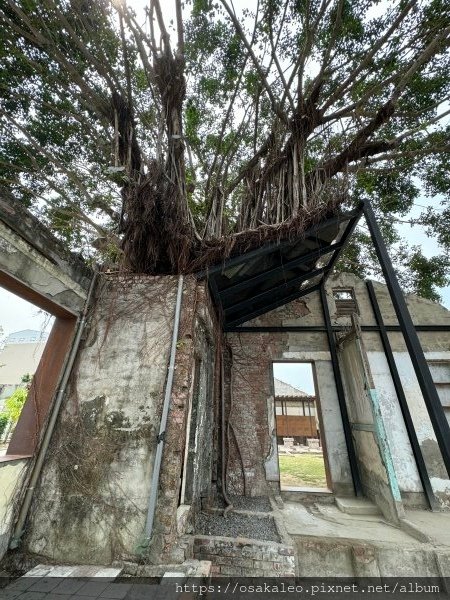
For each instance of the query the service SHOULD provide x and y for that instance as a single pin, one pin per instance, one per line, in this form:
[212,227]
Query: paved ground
[54,588]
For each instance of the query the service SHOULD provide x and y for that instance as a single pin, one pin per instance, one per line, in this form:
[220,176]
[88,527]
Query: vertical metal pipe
[229,504]
[341,394]
[429,392]
[165,412]
[415,446]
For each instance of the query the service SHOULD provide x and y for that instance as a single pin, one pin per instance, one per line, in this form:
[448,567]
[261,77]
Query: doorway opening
[24,330]
[301,454]
[35,337]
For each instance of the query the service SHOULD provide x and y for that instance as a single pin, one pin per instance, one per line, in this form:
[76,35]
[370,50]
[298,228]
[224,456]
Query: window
[345,301]
[440,372]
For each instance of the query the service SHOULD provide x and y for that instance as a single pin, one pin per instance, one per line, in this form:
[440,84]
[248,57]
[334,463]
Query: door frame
[318,411]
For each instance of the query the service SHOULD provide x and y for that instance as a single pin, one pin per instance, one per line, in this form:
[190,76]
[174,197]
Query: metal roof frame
[255,282]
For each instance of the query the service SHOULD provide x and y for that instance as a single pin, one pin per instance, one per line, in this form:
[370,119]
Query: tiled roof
[285,389]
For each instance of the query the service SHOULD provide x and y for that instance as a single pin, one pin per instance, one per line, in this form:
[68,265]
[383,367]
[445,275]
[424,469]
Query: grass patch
[302,470]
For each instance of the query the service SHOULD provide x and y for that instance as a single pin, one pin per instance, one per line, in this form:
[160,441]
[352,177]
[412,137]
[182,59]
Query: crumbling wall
[253,460]
[253,456]
[92,499]
[436,345]
[250,441]
[33,259]
[372,450]
[196,342]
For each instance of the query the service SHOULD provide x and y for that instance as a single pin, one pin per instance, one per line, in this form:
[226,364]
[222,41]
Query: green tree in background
[3,422]
[158,140]
[14,404]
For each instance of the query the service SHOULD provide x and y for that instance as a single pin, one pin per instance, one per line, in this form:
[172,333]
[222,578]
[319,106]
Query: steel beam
[296,262]
[273,291]
[415,446]
[272,306]
[341,394]
[429,392]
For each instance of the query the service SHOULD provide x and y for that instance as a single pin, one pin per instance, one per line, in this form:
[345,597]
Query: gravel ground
[234,525]
[256,504]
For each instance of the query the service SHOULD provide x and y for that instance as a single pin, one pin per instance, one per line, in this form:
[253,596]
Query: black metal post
[429,392]
[341,394]
[421,467]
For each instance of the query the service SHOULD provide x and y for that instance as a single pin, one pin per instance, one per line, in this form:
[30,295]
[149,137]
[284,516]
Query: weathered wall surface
[231,557]
[12,473]
[93,495]
[37,267]
[250,440]
[405,465]
[253,460]
[182,468]
[373,454]
[436,346]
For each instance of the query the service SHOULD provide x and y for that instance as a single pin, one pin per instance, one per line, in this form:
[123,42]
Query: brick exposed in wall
[250,442]
[197,321]
[245,557]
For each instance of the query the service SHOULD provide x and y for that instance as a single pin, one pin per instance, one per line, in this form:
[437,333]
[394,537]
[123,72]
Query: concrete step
[307,497]
[357,506]
[81,571]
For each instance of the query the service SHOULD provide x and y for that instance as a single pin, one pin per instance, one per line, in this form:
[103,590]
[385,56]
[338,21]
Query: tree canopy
[165,140]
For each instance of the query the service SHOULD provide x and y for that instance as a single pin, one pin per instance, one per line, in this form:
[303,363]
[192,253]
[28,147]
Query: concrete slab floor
[329,521]
[434,524]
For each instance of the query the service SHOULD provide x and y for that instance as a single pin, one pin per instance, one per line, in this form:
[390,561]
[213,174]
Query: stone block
[231,571]
[286,550]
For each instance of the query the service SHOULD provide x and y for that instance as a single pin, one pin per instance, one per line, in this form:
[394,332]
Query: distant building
[20,354]
[295,412]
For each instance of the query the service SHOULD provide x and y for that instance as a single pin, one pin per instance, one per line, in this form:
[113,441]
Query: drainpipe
[229,504]
[162,427]
[40,459]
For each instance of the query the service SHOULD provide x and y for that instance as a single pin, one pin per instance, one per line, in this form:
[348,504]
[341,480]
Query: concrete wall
[436,346]
[92,499]
[36,266]
[373,453]
[12,473]
[36,263]
[253,460]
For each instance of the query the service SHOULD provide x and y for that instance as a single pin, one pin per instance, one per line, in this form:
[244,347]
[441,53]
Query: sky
[17,314]
[299,375]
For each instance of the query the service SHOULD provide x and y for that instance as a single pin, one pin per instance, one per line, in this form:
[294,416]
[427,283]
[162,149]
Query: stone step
[357,506]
